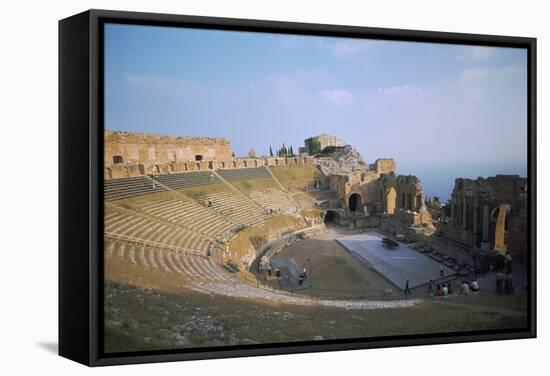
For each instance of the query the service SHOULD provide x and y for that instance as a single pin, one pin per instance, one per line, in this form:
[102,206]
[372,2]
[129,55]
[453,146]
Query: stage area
[396,264]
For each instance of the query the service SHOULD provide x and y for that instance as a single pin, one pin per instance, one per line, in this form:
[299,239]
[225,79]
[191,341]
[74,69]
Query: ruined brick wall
[126,147]
[490,213]
[384,166]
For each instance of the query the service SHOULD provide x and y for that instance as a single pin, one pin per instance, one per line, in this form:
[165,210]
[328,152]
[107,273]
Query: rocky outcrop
[342,161]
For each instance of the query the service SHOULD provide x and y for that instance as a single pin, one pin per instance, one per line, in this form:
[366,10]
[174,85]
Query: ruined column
[474,228]
[464,214]
[453,211]
[485,227]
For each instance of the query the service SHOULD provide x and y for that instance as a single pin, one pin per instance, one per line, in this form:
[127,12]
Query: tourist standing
[500,282]
[407,290]
[474,286]
[431,287]
[441,271]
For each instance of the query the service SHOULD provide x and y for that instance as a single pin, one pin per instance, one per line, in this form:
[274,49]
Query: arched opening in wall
[172,168]
[198,165]
[223,164]
[331,218]
[256,163]
[295,161]
[198,157]
[305,160]
[118,159]
[211,165]
[276,162]
[156,169]
[355,202]
[185,167]
[141,169]
[245,164]
[126,172]
[234,164]
[391,195]
[266,163]
[108,173]
[499,227]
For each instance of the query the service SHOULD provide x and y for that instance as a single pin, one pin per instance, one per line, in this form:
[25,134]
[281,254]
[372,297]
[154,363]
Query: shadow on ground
[50,347]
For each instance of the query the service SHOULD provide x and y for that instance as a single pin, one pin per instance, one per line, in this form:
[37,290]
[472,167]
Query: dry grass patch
[247,186]
[244,245]
[197,192]
[296,177]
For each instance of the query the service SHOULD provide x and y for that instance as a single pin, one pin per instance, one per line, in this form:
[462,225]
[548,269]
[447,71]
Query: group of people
[446,289]
[265,266]
[441,289]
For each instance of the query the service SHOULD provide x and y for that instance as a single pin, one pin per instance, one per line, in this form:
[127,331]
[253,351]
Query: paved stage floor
[396,264]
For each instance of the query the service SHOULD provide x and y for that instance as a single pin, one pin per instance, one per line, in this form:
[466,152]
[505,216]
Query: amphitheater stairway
[190,215]
[236,207]
[274,200]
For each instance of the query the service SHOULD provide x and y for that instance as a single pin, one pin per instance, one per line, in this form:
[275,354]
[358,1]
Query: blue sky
[441,111]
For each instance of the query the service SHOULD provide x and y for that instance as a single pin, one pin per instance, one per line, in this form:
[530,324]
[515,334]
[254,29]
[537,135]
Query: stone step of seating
[273,199]
[239,208]
[147,229]
[116,189]
[191,267]
[188,179]
[240,174]
[189,215]
[305,202]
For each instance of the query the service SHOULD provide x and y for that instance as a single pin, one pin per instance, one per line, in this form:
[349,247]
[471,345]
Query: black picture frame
[81,179]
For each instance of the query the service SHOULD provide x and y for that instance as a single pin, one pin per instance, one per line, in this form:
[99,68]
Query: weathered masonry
[489,213]
[133,154]
[125,147]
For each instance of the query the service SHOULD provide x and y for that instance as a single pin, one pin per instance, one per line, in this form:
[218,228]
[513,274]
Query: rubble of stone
[343,161]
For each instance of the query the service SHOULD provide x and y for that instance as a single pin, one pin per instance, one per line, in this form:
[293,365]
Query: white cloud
[399,90]
[476,53]
[338,97]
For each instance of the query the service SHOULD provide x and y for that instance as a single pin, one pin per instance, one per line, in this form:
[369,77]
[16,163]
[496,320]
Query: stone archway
[331,217]
[391,195]
[355,202]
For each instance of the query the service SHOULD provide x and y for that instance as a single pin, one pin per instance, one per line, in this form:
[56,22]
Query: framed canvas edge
[97,17]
